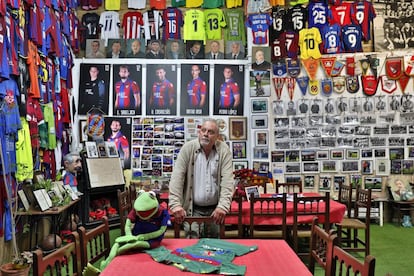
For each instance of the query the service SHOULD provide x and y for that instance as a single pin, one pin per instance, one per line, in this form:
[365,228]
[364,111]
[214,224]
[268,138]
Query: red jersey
[131,23]
[172,22]
[364,13]
[342,14]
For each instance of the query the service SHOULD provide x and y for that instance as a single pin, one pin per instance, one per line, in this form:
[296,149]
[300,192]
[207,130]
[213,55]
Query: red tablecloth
[273,257]
[336,213]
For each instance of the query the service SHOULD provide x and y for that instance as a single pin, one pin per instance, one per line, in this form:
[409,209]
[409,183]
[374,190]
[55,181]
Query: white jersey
[152,23]
[137,4]
[132,24]
[257,6]
[109,22]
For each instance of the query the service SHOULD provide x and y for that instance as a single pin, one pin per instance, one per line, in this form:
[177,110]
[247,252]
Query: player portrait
[161,89]
[93,87]
[127,94]
[228,89]
[118,130]
[194,89]
[259,83]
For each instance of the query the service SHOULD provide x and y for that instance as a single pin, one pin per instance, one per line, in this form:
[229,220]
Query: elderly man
[202,180]
[72,164]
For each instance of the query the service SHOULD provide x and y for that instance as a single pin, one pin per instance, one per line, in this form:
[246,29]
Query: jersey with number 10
[214,22]
[364,13]
[173,21]
[194,25]
[309,40]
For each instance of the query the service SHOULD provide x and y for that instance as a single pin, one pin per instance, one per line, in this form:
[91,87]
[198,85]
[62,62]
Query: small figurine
[72,164]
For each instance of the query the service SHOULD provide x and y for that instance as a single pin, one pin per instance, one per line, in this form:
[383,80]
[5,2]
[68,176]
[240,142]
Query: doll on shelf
[72,164]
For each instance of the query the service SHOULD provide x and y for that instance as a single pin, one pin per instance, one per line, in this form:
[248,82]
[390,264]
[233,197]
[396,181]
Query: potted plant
[20,266]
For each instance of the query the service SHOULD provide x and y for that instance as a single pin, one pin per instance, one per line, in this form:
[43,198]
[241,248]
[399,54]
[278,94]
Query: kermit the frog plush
[144,228]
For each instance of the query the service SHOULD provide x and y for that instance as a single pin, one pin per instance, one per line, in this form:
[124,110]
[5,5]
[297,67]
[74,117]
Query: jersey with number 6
[331,39]
[352,38]
[309,40]
[364,13]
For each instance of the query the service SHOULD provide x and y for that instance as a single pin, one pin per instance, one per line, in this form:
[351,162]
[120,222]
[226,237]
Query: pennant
[311,67]
[293,67]
[327,64]
[350,66]
[278,85]
[279,68]
[403,81]
[326,87]
[364,66]
[314,87]
[388,85]
[337,68]
[374,64]
[291,86]
[409,70]
[303,84]
[369,85]
[394,67]
[352,84]
[338,84]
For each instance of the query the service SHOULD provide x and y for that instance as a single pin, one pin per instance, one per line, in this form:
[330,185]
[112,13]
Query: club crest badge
[352,84]
[338,84]
[326,87]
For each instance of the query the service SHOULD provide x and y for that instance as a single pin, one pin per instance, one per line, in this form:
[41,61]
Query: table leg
[381,213]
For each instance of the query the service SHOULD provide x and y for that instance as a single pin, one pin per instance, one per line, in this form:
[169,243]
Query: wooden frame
[238,128]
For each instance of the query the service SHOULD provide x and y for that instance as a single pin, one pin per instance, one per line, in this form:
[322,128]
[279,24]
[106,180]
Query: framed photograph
[396,166]
[408,167]
[337,154]
[260,83]
[102,150]
[58,189]
[322,154]
[83,131]
[308,155]
[374,183]
[195,79]
[238,128]
[309,181]
[350,166]
[261,166]
[43,199]
[328,166]
[366,153]
[260,105]
[380,153]
[259,121]
[292,168]
[239,165]
[382,167]
[261,138]
[292,156]
[367,166]
[325,182]
[252,190]
[111,149]
[396,153]
[337,179]
[24,200]
[310,167]
[410,152]
[91,150]
[352,154]
[278,156]
[70,192]
[355,180]
[239,150]
[261,152]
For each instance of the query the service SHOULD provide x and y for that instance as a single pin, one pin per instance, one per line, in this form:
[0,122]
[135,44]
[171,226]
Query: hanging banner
[403,81]
[314,87]
[303,83]
[338,84]
[327,64]
[278,85]
[350,66]
[369,85]
[394,67]
[311,67]
[352,84]
[279,68]
[326,87]
[291,86]
[337,68]
[409,70]
[388,85]
[293,67]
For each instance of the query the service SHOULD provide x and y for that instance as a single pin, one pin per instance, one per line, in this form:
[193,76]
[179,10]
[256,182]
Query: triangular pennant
[314,87]
[369,85]
[278,85]
[364,65]
[327,64]
[303,84]
[403,81]
[374,63]
[388,85]
[394,67]
[311,67]
[410,64]
[291,86]
[337,68]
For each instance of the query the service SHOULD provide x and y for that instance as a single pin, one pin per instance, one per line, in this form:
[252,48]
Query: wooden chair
[308,206]
[199,225]
[65,260]
[398,207]
[321,248]
[95,243]
[264,208]
[344,263]
[345,197]
[235,230]
[124,206]
[132,193]
[288,187]
[354,224]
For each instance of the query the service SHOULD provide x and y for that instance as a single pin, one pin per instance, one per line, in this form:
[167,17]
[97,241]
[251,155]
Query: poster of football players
[93,88]
[127,92]
[118,130]
[161,89]
[194,89]
[393,25]
[228,89]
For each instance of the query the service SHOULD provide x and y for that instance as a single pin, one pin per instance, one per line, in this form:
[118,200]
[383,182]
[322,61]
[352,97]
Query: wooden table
[273,257]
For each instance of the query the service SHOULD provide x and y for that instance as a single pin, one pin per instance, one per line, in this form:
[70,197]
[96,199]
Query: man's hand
[179,214]
[218,215]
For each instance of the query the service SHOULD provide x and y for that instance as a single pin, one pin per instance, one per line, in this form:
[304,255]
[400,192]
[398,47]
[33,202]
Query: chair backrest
[124,206]
[344,263]
[132,193]
[236,210]
[266,208]
[288,187]
[321,248]
[95,243]
[200,225]
[363,202]
[63,261]
[345,196]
